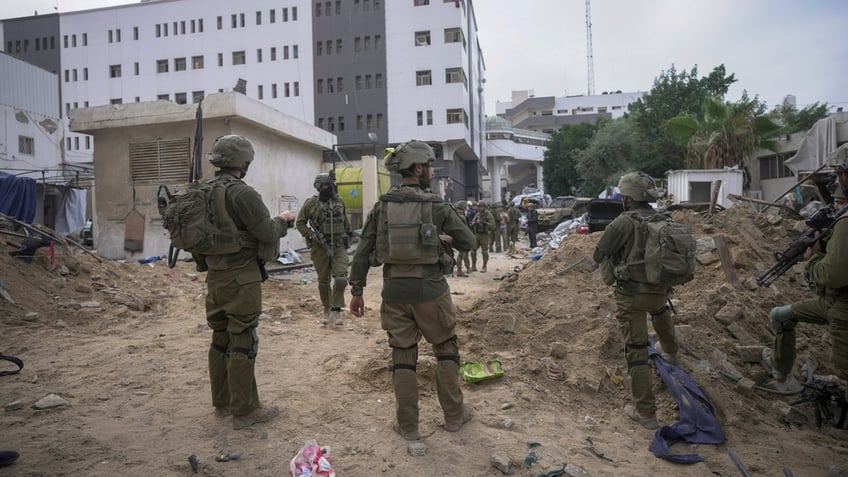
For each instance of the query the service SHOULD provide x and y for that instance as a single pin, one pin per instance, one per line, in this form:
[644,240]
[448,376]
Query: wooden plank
[726,261]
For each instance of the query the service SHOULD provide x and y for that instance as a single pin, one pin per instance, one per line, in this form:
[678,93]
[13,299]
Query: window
[182,27]
[74,72]
[85,39]
[88,142]
[111,101]
[357,44]
[162,160]
[74,40]
[193,26]
[341,123]
[338,7]
[330,86]
[429,117]
[165,97]
[294,14]
[287,90]
[294,51]
[260,92]
[773,167]
[285,14]
[158,30]
[454,35]
[339,85]
[180,98]
[273,53]
[318,8]
[233,21]
[135,68]
[321,123]
[85,74]
[197,96]
[179,64]
[286,52]
[359,123]
[367,81]
[220,59]
[369,121]
[420,118]
[319,86]
[331,124]
[273,89]
[328,8]
[110,37]
[238,57]
[455,75]
[422,38]
[423,78]
[26,145]
[197,62]
[114,71]
[319,48]
[161,66]
[76,139]
[379,120]
[259,55]
[258,18]
[339,46]
[367,43]
[329,47]
[135,35]
[358,82]
[118,35]
[272,15]
[457,116]
[378,80]
[67,75]
[220,23]
[296,88]
[200,25]
[378,41]
[419,3]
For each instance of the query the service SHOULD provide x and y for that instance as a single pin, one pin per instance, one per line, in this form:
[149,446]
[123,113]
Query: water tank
[349,182]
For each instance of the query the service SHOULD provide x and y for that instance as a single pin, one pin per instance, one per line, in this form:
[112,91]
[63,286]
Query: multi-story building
[373,72]
[547,114]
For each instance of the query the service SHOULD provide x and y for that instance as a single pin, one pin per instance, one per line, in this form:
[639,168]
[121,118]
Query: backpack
[197,219]
[406,234]
[663,253]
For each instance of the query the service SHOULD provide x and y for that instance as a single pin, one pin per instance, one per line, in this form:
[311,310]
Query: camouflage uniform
[633,300]
[482,224]
[512,225]
[330,216]
[234,299]
[416,303]
[829,271]
[495,242]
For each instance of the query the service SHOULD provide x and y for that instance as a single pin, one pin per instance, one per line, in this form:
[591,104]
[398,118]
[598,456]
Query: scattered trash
[474,372]
[192,460]
[312,460]
[224,457]
[151,259]
[289,257]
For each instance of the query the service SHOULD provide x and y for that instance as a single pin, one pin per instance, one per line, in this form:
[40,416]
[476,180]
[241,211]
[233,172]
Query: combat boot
[257,416]
[325,318]
[335,317]
[648,422]
[467,414]
[485,262]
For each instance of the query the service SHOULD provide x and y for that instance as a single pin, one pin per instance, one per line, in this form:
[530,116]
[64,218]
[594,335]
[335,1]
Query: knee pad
[325,285]
[447,350]
[339,283]
[404,358]
[780,317]
[659,312]
[246,343]
[639,353]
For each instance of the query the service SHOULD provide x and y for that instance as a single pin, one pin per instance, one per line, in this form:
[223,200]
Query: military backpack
[663,252]
[197,219]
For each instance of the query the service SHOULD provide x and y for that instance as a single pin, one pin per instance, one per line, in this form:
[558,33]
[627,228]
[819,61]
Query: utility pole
[589,57]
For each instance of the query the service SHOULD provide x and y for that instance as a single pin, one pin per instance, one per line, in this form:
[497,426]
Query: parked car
[562,208]
[600,212]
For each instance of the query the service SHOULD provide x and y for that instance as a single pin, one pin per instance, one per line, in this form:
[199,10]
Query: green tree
[724,134]
[561,177]
[791,119]
[609,154]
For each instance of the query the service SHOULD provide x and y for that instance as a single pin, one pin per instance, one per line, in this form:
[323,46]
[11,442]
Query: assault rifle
[827,399]
[821,222]
[321,238]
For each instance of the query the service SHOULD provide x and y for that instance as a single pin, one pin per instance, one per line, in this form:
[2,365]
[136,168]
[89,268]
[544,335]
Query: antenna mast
[589,57]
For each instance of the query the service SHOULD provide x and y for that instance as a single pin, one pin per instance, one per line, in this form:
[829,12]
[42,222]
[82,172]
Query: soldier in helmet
[482,224]
[323,222]
[827,268]
[234,284]
[634,299]
[463,260]
[409,232]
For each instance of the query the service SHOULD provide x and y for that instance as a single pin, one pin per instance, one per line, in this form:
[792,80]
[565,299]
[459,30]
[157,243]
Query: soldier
[634,299]
[409,232]
[482,224]
[828,270]
[512,225]
[324,225]
[234,288]
[495,244]
[532,223]
[463,260]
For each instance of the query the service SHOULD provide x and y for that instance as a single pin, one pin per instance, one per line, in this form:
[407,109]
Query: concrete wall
[689,185]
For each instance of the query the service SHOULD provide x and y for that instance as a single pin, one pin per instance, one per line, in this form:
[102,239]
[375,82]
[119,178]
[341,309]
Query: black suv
[600,212]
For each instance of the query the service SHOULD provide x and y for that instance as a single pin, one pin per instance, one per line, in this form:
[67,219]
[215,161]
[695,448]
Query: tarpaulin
[815,146]
[71,216]
[18,197]
[698,423]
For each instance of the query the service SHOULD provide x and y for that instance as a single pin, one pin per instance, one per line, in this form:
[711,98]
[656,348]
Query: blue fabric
[17,197]
[698,423]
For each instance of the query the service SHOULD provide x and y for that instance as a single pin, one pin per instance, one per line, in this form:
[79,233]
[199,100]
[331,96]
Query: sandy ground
[125,346]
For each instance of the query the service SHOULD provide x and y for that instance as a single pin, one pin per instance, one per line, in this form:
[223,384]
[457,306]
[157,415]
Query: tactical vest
[407,239]
[331,218]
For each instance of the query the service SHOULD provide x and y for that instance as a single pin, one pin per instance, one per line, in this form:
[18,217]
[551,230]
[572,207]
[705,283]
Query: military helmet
[231,151]
[639,186]
[483,203]
[838,193]
[322,178]
[462,204]
[407,154]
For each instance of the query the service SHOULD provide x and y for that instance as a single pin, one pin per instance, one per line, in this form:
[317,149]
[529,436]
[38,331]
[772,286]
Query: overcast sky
[774,47]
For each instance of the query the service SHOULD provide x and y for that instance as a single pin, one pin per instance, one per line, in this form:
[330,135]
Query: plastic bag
[481,371]
[289,257]
[312,460]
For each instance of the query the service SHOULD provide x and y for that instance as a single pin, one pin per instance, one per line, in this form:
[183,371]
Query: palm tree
[725,135]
